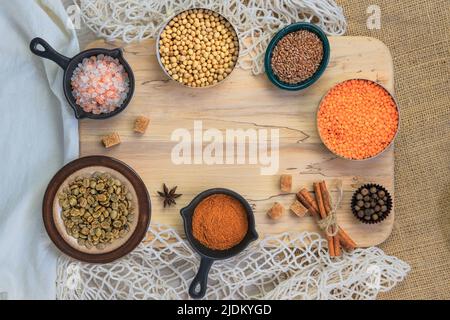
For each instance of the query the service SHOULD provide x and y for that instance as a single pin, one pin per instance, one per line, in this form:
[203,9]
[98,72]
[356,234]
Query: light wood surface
[245,101]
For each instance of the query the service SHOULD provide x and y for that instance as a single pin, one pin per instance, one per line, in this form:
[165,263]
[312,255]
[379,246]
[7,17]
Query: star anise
[169,196]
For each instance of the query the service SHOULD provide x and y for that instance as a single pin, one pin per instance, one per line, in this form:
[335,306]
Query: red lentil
[357,119]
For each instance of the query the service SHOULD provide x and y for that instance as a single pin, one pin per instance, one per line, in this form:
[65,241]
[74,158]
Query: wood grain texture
[246,101]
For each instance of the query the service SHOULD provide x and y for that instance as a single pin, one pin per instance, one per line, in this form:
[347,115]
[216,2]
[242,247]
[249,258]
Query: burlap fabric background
[418,34]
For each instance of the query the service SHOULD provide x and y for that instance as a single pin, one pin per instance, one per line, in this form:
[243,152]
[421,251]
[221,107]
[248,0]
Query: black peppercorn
[371,203]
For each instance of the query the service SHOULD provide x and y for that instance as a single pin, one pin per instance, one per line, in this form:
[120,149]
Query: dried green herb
[169,196]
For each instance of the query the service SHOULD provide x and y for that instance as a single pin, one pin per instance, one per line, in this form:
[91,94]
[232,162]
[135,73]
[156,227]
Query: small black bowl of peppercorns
[371,203]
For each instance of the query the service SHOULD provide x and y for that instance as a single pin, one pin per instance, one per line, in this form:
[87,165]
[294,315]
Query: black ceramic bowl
[70,64]
[198,286]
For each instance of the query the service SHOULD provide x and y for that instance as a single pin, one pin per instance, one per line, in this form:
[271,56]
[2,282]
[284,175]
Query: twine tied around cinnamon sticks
[321,208]
[329,223]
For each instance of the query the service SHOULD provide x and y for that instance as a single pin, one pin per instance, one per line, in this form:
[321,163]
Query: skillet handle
[48,52]
[197,289]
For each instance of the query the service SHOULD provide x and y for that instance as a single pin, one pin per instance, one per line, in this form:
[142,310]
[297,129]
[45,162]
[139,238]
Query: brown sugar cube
[298,208]
[276,211]
[111,140]
[141,124]
[286,183]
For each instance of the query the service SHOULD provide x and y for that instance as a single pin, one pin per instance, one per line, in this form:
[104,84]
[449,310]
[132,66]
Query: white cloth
[38,135]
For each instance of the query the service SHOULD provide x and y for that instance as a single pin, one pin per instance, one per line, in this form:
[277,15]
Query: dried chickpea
[198,48]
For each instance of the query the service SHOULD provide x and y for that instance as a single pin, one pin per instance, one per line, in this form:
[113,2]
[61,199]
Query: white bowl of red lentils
[358,119]
[197,48]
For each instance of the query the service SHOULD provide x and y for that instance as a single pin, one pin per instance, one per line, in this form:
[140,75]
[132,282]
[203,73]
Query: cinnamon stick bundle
[323,215]
[327,203]
[310,203]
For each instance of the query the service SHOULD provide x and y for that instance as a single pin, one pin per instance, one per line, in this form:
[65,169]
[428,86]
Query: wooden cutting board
[245,101]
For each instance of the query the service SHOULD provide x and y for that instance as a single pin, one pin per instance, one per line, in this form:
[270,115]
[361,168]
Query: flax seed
[297,56]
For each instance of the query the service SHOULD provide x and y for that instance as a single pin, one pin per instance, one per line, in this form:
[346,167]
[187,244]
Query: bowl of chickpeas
[198,48]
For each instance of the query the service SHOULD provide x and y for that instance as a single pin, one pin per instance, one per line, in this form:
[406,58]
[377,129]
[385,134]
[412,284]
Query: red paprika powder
[219,222]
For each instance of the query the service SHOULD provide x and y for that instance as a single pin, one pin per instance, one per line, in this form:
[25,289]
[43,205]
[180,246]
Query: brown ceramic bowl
[53,222]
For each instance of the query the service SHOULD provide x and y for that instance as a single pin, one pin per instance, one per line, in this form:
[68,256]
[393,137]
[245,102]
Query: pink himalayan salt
[100,84]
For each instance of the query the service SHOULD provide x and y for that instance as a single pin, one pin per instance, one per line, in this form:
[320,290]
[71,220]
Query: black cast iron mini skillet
[198,286]
[70,64]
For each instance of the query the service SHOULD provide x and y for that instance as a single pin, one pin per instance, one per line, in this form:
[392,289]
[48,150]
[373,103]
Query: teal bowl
[280,34]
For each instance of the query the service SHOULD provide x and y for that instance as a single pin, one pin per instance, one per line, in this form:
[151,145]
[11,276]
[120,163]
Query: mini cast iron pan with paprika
[85,167]
[41,48]
[198,286]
